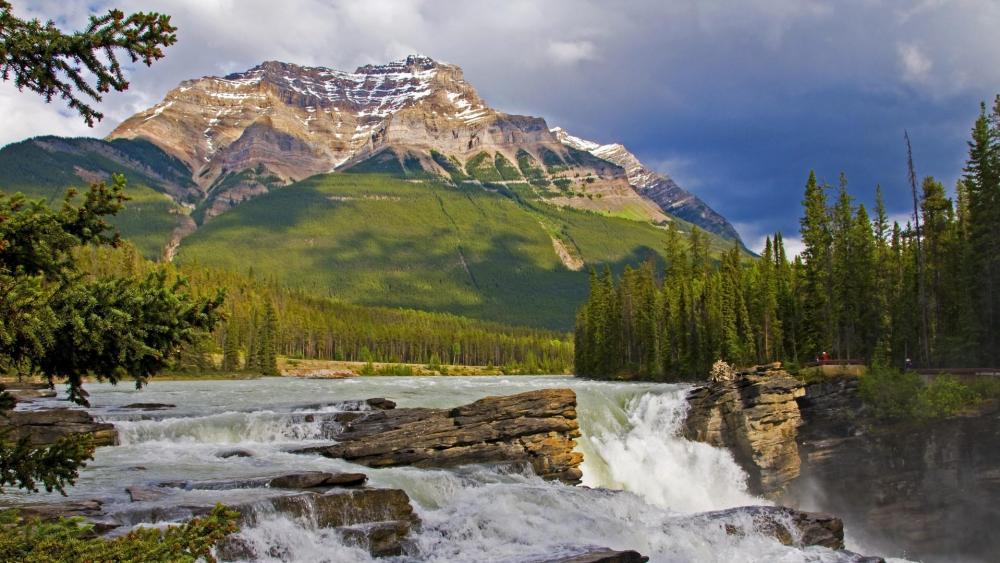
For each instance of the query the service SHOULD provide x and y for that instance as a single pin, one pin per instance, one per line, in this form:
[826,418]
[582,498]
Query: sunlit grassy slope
[421,243]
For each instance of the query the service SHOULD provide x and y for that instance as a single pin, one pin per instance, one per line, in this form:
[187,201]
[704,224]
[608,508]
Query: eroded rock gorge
[924,490]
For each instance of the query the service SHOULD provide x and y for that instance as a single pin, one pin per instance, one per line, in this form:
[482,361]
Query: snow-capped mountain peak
[658,187]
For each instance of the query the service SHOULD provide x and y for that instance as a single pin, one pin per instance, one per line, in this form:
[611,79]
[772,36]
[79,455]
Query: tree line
[265,319]
[924,293]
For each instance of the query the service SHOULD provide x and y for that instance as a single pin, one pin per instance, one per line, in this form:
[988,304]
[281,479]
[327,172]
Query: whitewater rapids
[629,440]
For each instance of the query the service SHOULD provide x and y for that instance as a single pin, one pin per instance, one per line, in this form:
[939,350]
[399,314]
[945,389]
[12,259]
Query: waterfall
[643,480]
[640,450]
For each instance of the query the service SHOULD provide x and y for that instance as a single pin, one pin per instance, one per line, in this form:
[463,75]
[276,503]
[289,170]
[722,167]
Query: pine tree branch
[84,64]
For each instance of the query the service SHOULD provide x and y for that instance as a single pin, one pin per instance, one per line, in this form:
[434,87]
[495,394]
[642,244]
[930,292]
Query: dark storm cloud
[738,100]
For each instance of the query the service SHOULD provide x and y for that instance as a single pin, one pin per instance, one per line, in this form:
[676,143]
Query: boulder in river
[235,452]
[27,392]
[148,406]
[299,480]
[378,520]
[312,479]
[538,428]
[603,555]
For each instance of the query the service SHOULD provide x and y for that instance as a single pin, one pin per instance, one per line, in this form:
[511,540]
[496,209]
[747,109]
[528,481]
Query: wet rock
[537,427]
[603,555]
[26,392]
[313,479]
[226,454]
[375,519]
[91,510]
[138,493]
[346,507]
[234,548]
[380,403]
[302,480]
[43,427]
[789,526]
[754,414]
[148,406]
[381,539]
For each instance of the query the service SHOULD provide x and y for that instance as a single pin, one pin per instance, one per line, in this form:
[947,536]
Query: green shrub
[70,540]
[944,396]
[903,395]
[395,369]
[984,389]
[563,183]
[892,393]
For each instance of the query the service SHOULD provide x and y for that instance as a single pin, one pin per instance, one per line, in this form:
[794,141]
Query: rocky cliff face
[927,490]
[754,415]
[657,187]
[930,490]
[286,122]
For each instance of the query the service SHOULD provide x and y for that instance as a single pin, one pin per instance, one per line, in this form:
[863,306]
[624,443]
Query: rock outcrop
[755,415]
[301,480]
[378,520]
[603,555]
[27,392]
[538,428]
[925,489]
[43,427]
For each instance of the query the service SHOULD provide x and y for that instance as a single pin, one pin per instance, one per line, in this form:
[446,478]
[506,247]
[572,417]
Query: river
[629,441]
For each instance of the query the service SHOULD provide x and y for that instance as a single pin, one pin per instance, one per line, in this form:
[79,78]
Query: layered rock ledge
[755,416]
[43,427]
[538,428]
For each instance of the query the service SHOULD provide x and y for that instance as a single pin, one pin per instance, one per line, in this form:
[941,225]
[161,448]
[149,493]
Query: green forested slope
[46,167]
[383,234]
[421,243]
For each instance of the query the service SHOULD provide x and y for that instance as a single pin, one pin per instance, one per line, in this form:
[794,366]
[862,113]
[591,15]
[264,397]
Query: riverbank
[313,369]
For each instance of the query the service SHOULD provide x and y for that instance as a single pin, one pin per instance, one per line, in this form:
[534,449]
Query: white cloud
[26,114]
[571,52]
[916,65]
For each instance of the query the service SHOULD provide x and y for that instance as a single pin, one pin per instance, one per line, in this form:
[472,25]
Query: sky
[737,100]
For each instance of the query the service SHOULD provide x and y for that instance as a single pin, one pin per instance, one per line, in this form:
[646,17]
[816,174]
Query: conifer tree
[817,241]
[982,183]
[269,342]
[231,350]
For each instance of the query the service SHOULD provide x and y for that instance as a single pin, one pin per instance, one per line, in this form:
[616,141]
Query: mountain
[660,188]
[287,122]
[391,185]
